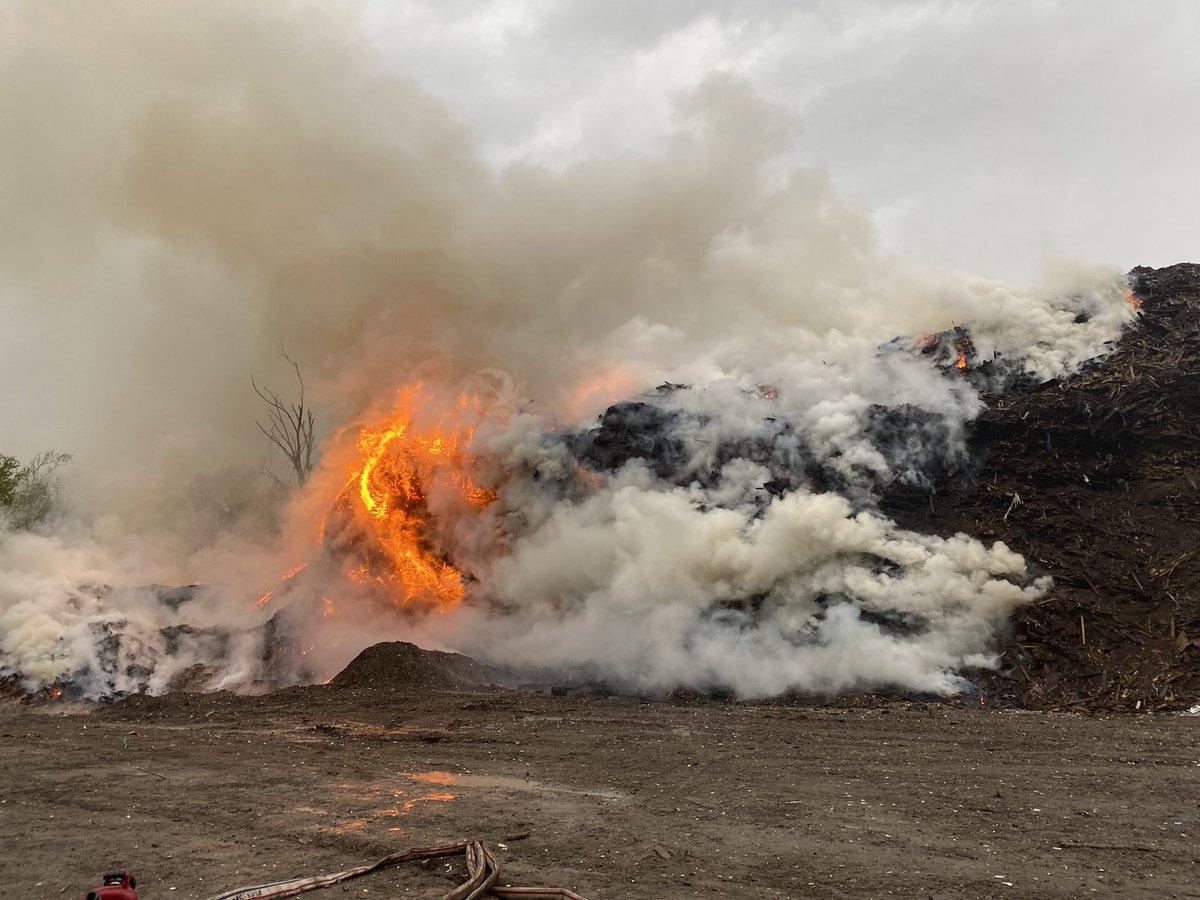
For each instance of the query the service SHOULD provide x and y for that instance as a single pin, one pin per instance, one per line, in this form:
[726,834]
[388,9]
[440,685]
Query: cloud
[985,136]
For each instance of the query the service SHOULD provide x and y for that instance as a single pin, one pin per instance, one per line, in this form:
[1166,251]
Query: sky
[986,136]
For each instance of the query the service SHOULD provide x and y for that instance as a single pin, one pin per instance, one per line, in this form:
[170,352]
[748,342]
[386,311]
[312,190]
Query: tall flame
[400,466]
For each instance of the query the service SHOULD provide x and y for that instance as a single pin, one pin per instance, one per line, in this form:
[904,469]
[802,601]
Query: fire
[1132,299]
[947,347]
[403,465]
[268,596]
[964,347]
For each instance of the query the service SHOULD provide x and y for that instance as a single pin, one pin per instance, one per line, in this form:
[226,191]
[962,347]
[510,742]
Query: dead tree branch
[290,427]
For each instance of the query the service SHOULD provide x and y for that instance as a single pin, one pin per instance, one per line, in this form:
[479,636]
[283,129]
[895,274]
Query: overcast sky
[982,135]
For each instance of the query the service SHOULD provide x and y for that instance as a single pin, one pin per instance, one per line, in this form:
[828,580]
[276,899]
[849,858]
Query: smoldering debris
[1089,476]
[146,639]
[1092,478]
[724,536]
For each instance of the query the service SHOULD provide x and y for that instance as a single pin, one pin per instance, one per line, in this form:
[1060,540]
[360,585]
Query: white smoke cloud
[191,187]
[626,584]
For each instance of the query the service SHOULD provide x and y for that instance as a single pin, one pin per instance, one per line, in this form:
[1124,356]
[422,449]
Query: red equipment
[117,886]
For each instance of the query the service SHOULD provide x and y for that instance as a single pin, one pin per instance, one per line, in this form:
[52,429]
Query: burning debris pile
[828,526]
[749,526]
[1094,480]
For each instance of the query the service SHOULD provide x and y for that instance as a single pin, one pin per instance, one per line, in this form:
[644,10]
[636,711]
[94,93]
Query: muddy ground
[612,797]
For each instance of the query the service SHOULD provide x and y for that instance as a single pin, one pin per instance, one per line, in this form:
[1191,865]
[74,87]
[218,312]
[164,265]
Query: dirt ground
[612,797]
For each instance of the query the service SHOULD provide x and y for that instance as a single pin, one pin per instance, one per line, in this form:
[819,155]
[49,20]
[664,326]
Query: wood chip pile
[1096,480]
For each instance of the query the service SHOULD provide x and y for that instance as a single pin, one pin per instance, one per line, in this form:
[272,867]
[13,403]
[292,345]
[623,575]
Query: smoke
[190,187]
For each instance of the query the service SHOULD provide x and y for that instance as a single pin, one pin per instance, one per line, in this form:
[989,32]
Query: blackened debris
[1094,479]
[921,447]
[633,430]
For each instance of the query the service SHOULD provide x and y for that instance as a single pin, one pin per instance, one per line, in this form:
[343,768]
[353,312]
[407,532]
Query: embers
[952,349]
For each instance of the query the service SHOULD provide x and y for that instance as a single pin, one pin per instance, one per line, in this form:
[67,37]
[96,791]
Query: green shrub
[30,494]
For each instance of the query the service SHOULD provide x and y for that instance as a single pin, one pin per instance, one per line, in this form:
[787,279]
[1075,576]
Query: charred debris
[1096,481]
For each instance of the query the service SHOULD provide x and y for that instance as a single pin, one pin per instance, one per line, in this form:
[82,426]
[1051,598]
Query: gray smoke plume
[189,187]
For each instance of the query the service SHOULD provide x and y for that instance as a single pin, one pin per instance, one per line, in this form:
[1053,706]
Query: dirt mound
[1095,480]
[399,665]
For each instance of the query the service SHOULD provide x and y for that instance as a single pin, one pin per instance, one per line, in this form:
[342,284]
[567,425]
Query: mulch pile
[1095,480]
[398,665]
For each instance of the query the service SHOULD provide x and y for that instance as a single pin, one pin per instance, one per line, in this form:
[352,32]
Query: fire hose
[482,874]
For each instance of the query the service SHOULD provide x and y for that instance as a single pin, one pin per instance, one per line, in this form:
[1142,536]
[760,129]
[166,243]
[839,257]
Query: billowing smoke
[191,187]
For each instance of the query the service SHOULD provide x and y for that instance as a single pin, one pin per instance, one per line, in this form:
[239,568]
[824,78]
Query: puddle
[385,804]
[442,778]
[379,805]
[504,783]
[429,798]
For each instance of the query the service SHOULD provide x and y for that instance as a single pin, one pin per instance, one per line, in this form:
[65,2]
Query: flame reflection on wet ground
[442,778]
[387,803]
[508,784]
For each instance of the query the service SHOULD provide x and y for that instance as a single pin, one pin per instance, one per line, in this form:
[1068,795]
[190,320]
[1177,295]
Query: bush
[30,494]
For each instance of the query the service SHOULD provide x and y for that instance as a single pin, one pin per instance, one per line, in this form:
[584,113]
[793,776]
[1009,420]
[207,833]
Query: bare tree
[290,428]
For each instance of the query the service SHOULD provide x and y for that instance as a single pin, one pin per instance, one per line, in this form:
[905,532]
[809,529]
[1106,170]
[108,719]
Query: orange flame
[1132,299]
[962,362]
[401,465]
